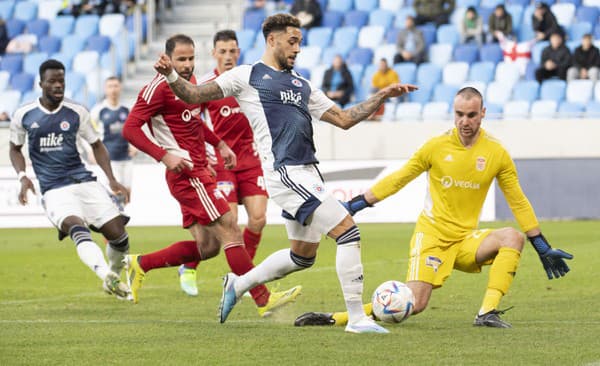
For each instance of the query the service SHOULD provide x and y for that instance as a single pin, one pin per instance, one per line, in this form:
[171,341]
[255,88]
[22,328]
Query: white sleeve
[17,132]
[233,82]
[86,129]
[318,103]
[95,120]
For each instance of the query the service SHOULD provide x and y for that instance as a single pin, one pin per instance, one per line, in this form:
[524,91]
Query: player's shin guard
[89,253]
[502,273]
[116,250]
[240,263]
[350,272]
[173,255]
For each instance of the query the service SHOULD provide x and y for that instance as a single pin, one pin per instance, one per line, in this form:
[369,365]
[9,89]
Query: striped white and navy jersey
[109,121]
[280,106]
[52,138]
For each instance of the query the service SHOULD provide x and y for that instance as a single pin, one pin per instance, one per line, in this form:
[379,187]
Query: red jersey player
[180,134]
[243,184]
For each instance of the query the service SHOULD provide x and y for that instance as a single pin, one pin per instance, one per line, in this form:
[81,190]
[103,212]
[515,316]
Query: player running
[71,196]
[280,106]
[245,183]
[461,165]
[180,133]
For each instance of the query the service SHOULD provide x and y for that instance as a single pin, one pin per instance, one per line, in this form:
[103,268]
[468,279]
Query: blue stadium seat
[444,93]
[530,70]
[577,30]
[332,19]
[491,53]
[384,18]
[62,25]
[309,57]
[370,36]
[65,58]
[507,73]
[570,110]
[111,25]
[588,14]
[526,90]
[74,82]
[391,35]
[72,44]
[409,111]
[572,45]
[87,25]
[253,19]
[363,88]
[520,2]
[482,71]
[467,3]
[7,8]
[391,5]
[129,24]
[86,62]
[429,33]
[448,33]
[597,92]
[490,3]
[401,15]
[322,3]
[99,44]
[553,90]
[107,62]
[245,38]
[366,5]
[345,38]
[516,109]
[428,75]
[435,111]
[30,96]
[39,27]
[468,53]
[422,95]
[440,53]
[22,82]
[455,73]
[330,52]
[304,72]
[407,72]
[340,5]
[319,36]
[386,51]
[579,91]
[574,2]
[498,93]
[564,13]
[4,80]
[32,62]
[9,101]
[360,55]
[25,10]
[484,12]
[356,70]
[592,110]
[516,12]
[14,27]
[356,18]
[252,55]
[13,63]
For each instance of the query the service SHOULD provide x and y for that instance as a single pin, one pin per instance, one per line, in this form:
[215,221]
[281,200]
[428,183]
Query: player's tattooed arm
[196,94]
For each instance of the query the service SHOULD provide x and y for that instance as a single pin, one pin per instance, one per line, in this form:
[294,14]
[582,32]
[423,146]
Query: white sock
[275,266]
[92,256]
[115,259]
[350,273]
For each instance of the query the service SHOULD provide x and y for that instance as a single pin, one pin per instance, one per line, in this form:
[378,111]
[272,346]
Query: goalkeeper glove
[552,259]
[356,204]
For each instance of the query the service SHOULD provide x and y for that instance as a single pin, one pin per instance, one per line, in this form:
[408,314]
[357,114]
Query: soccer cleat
[113,286]
[229,298]
[492,319]
[135,275]
[365,325]
[279,299]
[187,280]
[314,318]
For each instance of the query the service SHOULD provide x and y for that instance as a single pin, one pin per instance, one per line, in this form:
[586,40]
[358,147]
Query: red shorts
[198,197]
[237,184]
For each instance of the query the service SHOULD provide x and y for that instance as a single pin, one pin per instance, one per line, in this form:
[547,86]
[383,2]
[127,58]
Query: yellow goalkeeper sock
[341,318]
[502,273]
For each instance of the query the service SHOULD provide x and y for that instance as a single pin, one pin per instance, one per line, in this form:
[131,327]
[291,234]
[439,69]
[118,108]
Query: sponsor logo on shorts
[218,194]
[64,125]
[449,182]
[480,163]
[433,262]
[225,187]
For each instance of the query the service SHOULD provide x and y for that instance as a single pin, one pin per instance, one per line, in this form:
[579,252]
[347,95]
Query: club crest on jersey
[297,83]
[433,262]
[318,188]
[122,116]
[480,163]
[289,97]
[225,186]
[64,125]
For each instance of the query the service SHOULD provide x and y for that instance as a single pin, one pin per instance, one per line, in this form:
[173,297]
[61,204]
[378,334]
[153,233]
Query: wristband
[540,244]
[172,77]
[21,175]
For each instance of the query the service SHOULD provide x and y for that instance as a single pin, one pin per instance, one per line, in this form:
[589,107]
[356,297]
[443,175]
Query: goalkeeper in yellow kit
[461,165]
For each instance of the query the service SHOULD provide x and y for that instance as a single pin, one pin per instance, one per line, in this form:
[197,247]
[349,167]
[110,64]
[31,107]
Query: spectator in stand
[556,59]
[500,21]
[308,12]
[544,22]
[337,82]
[471,29]
[437,11]
[586,61]
[3,36]
[383,77]
[410,44]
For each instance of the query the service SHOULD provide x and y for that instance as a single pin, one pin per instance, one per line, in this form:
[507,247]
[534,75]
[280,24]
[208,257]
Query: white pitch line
[112,321]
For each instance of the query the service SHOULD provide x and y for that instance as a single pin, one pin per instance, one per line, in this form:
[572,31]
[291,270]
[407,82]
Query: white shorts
[123,171]
[309,208]
[89,201]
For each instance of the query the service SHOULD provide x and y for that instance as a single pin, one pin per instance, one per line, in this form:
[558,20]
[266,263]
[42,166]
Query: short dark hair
[174,40]
[279,23]
[50,64]
[224,35]
[112,77]
[469,92]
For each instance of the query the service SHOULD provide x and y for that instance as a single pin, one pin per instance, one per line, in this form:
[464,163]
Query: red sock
[240,263]
[191,265]
[251,241]
[173,255]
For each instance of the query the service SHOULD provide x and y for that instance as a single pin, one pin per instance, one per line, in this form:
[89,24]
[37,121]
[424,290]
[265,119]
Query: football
[393,302]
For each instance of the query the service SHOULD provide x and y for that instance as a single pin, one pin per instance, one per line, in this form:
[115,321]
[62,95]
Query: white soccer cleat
[114,286]
[365,325]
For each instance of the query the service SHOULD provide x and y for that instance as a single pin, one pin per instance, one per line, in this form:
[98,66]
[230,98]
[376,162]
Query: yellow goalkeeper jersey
[457,184]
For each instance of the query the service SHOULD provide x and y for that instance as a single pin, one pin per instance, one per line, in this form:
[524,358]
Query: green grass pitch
[53,312]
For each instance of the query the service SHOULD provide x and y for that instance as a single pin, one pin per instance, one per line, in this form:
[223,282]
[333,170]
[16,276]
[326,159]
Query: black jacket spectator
[3,36]
[308,12]
[556,59]
[437,11]
[586,61]
[544,23]
[343,92]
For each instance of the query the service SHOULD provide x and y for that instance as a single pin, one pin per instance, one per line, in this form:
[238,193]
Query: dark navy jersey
[280,106]
[52,138]
[110,121]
